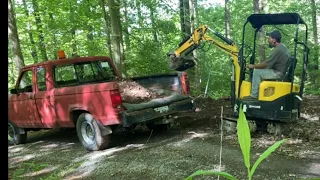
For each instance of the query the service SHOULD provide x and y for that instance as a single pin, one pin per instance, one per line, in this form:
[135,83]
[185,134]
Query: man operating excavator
[272,68]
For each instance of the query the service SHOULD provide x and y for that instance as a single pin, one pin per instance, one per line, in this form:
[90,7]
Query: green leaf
[244,137]
[201,172]
[265,155]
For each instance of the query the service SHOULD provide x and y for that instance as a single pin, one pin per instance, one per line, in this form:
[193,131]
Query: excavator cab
[279,100]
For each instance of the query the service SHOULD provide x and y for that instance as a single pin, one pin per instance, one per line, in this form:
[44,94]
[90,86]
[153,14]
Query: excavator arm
[180,59]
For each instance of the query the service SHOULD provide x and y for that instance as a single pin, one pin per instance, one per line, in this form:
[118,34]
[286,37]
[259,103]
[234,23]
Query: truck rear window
[82,73]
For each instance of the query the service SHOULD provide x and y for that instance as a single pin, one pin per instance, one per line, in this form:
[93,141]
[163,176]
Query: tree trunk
[55,56]
[116,35]
[33,44]
[193,27]
[107,27]
[126,31]
[11,73]
[185,18]
[42,45]
[315,64]
[227,18]
[192,15]
[90,46]
[258,7]
[187,23]
[153,23]
[196,11]
[74,52]
[182,27]
[122,56]
[14,38]
[140,18]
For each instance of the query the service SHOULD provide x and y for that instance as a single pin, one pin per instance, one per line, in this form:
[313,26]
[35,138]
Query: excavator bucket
[181,63]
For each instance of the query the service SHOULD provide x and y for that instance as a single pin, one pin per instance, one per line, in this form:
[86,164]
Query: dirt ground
[193,143]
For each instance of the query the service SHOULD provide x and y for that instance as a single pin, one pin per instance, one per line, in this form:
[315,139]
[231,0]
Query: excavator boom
[181,60]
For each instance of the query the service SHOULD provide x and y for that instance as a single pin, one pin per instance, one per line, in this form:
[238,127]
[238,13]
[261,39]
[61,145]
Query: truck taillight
[185,84]
[116,99]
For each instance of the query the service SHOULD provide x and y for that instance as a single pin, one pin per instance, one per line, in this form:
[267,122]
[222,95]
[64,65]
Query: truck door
[22,109]
[44,97]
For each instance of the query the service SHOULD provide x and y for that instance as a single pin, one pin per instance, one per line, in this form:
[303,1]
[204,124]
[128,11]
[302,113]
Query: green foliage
[310,89]
[51,177]
[157,60]
[28,167]
[244,138]
[146,55]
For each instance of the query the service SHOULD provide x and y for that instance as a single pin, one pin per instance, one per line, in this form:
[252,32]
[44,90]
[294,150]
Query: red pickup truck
[83,93]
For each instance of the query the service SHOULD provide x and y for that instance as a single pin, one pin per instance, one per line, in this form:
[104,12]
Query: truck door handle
[30,96]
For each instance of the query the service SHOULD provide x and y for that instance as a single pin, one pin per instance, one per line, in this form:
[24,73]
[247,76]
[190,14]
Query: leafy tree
[148,30]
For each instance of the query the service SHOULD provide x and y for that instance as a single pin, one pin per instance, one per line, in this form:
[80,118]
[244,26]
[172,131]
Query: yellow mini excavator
[279,100]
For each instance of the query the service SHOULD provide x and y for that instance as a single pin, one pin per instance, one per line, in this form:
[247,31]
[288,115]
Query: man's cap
[275,34]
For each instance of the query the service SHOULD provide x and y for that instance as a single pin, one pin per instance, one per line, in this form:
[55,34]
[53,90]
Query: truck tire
[90,134]
[14,135]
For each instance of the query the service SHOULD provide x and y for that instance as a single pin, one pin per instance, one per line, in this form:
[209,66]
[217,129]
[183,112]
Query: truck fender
[73,108]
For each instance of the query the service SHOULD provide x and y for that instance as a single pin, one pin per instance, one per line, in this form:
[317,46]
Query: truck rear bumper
[129,118]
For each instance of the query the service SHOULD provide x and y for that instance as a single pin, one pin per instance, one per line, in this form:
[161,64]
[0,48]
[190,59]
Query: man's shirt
[278,59]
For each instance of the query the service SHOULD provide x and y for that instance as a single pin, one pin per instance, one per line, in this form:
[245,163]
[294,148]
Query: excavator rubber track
[277,129]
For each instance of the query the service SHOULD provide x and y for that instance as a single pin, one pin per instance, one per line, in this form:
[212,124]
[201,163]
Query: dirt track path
[191,145]
[167,155]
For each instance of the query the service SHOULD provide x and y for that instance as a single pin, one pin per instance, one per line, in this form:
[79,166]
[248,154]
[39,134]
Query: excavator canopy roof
[258,20]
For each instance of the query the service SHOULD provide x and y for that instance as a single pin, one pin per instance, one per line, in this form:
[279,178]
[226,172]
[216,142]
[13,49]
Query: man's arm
[262,65]
[269,62]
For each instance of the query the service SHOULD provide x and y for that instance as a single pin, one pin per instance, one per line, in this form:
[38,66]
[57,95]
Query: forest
[138,34]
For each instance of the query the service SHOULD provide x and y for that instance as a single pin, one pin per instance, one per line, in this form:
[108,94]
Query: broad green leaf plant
[244,138]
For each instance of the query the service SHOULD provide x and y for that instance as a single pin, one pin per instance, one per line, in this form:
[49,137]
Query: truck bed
[172,100]
[168,81]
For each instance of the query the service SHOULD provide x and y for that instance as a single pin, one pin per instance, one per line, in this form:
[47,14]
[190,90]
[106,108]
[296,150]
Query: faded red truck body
[58,93]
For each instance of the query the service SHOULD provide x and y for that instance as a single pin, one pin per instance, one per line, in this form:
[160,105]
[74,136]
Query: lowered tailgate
[136,113]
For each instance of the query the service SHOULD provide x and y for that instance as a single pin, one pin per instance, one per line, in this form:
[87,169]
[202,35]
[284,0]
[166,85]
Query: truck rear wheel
[14,136]
[89,133]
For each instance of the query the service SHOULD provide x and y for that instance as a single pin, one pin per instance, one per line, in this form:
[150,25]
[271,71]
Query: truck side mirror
[13,91]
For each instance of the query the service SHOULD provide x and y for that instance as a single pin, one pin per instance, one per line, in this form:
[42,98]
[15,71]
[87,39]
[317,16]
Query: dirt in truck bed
[133,92]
